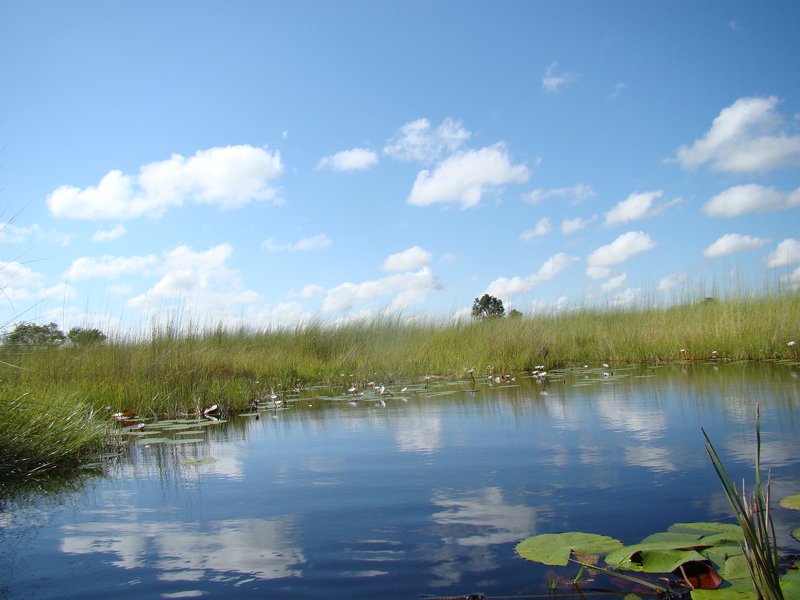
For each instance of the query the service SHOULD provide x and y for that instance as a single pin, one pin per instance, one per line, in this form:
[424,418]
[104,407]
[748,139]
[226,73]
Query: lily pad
[704,528]
[796,534]
[652,558]
[792,502]
[556,548]
[723,594]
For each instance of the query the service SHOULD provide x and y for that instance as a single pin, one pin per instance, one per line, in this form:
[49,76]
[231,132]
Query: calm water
[426,496]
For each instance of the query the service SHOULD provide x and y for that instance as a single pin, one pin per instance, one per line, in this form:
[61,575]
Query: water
[426,496]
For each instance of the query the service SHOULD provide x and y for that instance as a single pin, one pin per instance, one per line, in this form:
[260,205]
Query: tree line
[33,334]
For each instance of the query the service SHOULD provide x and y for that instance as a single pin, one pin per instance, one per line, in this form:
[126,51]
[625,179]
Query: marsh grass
[176,373]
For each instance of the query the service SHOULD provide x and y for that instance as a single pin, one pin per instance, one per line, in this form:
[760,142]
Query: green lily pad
[792,502]
[556,548]
[790,583]
[652,558]
[704,528]
[796,534]
[723,594]
[685,540]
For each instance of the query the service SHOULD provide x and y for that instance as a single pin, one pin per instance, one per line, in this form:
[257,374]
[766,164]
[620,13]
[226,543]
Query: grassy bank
[172,374]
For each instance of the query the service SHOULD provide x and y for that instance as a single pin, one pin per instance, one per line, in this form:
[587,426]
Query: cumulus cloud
[672,282]
[404,290]
[627,299]
[107,235]
[20,283]
[227,177]
[787,253]
[200,279]
[417,141]
[308,291]
[620,250]
[552,81]
[465,177]
[109,267]
[745,137]
[749,198]
[407,260]
[733,242]
[638,205]
[504,286]
[575,194]
[541,228]
[576,224]
[14,234]
[315,242]
[614,283]
[357,159]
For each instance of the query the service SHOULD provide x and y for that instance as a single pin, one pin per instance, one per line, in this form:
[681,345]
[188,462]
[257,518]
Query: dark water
[426,496]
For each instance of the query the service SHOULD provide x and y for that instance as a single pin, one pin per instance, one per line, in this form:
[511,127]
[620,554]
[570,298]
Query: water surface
[425,495]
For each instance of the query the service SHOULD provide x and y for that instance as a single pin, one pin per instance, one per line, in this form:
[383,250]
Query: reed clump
[171,373]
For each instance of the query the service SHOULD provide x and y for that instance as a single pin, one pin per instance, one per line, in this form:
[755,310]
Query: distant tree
[31,334]
[83,337]
[514,314]
[487,307]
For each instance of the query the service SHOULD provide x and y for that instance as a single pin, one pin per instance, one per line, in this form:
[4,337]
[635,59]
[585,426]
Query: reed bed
[170,373]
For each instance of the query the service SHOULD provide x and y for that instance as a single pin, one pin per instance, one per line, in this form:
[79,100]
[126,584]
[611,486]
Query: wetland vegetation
[57,400]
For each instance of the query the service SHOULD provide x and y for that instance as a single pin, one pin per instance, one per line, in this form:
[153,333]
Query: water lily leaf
[686,540]
[722,594]
[704,528]
[729,562]
[556,548]
[649,558]
[796,534]
[792,502]
[790,583]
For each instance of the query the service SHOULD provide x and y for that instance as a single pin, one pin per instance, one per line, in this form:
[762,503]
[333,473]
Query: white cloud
[745,137]
[203,285]
[787,253]
[19,283]
[107,235]
[465,177]
[227,177]
[541,228]
[637,206]
[671,282]
[308,291]
[404,289]
[575,194]
[551,81]
[621,249]
[614,283]
[733,242]
[792,278]
[13,234]
[504,287]
[627,299]
[407,260]
[418,142]
[109,267]
[315,242]
[356,159]
[743,199]
[576,224]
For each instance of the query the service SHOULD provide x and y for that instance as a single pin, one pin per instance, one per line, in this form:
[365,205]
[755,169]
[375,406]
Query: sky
[272,164]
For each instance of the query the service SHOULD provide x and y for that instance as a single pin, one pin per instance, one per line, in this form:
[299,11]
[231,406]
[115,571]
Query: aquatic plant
[759,547]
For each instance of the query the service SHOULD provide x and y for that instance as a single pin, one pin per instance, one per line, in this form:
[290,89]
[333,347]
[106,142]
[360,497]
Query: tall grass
[171,373]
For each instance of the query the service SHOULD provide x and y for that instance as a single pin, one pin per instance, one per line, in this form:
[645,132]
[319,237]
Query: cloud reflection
[470,525]
[260,548]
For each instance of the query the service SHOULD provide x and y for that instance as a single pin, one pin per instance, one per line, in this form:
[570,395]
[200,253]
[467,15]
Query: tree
[514,314]
[83,337]
[487,307]
[31,334]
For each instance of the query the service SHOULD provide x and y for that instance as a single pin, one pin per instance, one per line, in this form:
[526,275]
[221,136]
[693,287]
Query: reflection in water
[340,501]
[471,525]
[258,548]
[418,431]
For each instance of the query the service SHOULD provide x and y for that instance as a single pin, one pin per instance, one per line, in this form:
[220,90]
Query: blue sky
[271,163]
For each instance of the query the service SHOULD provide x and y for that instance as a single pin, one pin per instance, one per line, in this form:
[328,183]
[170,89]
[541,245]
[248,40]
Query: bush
[31,334]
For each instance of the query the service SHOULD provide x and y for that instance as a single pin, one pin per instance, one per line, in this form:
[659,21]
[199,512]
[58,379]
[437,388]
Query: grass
[170,373]
[753,513]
